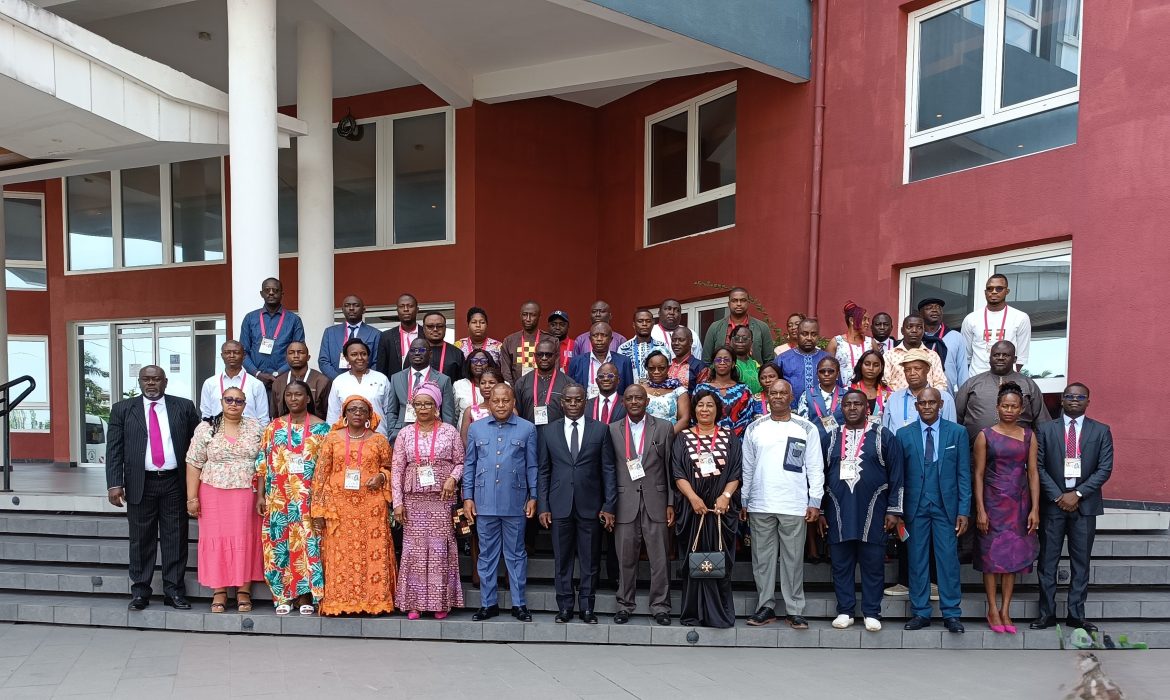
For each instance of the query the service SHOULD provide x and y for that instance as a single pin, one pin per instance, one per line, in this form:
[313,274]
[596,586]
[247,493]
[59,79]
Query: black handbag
[460,522]
[707,564]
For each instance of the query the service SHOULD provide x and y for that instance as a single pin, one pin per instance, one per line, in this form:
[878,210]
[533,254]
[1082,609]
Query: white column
[252,126]
[315,180]
[3,296]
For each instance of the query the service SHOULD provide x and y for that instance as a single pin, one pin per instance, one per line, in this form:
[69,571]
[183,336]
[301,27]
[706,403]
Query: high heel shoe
[998,629]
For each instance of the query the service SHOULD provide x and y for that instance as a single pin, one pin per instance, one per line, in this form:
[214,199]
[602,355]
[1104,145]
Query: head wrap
[432,390]
[341,423]
[854,313]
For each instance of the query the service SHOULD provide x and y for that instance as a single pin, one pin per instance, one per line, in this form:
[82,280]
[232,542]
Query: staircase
[70,569]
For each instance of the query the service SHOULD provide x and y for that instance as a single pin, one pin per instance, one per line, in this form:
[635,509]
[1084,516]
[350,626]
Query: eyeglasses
[480,361]
[546,354]
[998,288]
[827,370]
[1075,397]
[927,403]
[233,401]
[435,326]
[417,351]
[357,410]
[722,361]
[607,376]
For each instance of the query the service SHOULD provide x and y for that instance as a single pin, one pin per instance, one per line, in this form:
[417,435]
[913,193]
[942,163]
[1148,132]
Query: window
[990,80]
[1039,282]
[286,197]
[690,167]
[24,242]
[699,316]
[30,355]
[145,217]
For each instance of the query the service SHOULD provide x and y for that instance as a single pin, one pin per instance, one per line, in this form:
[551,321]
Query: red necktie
[605,411]
[1070,440]
[157,458]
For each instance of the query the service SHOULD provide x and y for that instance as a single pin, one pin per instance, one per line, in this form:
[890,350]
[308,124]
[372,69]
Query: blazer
[453,366]
[584,486]
[500,466]
[616,412]
[396,406]
[391,359]
[579,370]
[1096,462]
[655,487]
[953,449]
[126,441]
[333,340]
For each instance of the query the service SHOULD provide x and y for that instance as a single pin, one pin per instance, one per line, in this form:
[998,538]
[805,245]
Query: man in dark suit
[584,368]
[445,357]
[539,393]
[332,362]
[607,406]
[1075,456]
[641,445]
[418,371]
[146,466]
[395,343]
[576,493]
[936,456]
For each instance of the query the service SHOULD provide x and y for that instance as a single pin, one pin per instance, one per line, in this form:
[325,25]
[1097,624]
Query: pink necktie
[1070,440]
[156,447]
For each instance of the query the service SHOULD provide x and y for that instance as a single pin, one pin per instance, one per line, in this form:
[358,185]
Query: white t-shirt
[1015,328]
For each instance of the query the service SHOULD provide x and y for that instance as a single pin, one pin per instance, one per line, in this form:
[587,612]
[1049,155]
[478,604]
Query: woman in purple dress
[1007,504]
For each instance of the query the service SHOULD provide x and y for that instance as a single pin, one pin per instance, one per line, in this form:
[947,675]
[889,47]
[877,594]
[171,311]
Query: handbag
[706,565]
[460,522]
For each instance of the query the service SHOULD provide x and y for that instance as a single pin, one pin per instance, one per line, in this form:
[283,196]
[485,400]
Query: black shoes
[797,622]
[954,626]
[139,604]
[1075,622]
[662,619]
[1042,623]
[486,613]
[563,617]
[589,617]
[763,616]
[917,623]
[177,602]
[522,614]
[621,617]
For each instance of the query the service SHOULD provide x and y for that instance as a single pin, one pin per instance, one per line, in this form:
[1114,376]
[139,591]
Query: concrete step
[106,611]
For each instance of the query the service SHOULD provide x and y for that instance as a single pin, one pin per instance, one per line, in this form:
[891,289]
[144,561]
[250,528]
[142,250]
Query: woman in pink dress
[426,468]
[1007,504]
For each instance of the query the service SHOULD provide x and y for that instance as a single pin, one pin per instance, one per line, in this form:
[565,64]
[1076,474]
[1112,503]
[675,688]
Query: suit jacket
[452,364]
[617,410]
[953,450]
[500,466]
[333,340]
[391,359]
[318,383]
[1096,462]
[396,406]
[654,488]
[585,486]
[579,370]
[126,441]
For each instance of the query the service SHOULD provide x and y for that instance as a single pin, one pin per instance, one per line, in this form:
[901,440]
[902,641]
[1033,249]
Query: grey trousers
[779,540]
[629,538]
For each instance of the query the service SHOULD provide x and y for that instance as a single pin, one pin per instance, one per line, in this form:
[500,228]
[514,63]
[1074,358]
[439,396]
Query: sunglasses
[357,410]
[996,289]
[722,361]
[417,351]
[546,354]
[1075,397]
[480,361]
[607,375]
[233,401]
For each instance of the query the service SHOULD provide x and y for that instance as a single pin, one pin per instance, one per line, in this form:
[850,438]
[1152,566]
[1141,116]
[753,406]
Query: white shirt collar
[1068,419]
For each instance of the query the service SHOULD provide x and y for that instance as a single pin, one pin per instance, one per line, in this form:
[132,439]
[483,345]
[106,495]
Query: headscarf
[854,313]
[432,390]
[375,419]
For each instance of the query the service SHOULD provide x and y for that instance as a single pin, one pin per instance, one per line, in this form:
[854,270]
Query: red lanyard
[264,328]
[443,357]
[434,436]
[243,380]
[474,400]
[700,439]
[860,444]
[548,394]
[642,441]
[987,330]
[361,446]
[403,340]
[817,406]
[288,431]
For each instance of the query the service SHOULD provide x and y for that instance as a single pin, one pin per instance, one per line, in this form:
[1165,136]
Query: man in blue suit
[936,455]
[583,369]
[331,361]
[499,493]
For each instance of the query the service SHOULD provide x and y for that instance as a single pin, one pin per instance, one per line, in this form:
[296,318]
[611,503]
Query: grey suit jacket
[396,406]
[1096,441]
[655,486]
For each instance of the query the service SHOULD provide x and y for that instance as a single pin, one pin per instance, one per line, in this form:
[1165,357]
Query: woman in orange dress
[351,493]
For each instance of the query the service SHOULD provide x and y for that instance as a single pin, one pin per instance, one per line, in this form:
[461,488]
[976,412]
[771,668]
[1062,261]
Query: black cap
[559,314]
[931,300]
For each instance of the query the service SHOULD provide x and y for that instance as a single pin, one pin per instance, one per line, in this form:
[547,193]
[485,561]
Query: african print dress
[739,407]
[284,474]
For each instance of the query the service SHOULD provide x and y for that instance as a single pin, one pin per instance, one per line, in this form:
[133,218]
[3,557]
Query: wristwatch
[727,495]
[1079,494]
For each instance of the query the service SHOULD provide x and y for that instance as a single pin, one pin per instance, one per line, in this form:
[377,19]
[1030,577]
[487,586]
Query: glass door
[135,350]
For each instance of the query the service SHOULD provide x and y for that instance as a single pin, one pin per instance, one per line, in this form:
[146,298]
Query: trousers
[778,540]
[501,534]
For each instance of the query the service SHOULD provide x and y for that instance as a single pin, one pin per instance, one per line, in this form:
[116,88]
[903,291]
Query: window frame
[37,405]
[984,266]
[693,196]
[29,264]
[990,113]
[691,311]
[166,207]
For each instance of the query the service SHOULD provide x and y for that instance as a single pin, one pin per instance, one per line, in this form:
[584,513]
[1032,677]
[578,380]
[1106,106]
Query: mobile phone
[903,533]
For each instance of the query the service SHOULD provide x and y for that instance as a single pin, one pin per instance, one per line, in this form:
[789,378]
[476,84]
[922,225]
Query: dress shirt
[601,406]
[636,430]
[411,378]
[254,391]
[594,365]
[1068,483]
[333,342]
[569,423]
[510,432]
[373,386]
[1017,328]
[767,486]
[934,433]
[901,411]
[582,346]
[660,333]
[251,335]
[169,460]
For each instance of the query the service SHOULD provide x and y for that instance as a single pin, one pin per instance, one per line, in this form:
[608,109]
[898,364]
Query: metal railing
[7,405]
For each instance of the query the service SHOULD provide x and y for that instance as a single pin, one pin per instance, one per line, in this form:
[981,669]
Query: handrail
[6,407]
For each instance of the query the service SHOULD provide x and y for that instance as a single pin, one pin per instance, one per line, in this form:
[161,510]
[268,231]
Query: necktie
[574,442]
[351,333]
[417,380]
[929,445]
[1070,440]
[156,447]
[605,411]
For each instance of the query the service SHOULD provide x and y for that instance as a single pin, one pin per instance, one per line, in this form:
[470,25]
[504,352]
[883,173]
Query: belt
[162,473]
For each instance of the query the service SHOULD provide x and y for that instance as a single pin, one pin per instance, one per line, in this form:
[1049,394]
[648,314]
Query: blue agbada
[800,370]
[857,509]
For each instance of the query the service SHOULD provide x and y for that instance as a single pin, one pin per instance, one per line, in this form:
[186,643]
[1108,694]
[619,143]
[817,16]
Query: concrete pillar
[315,180]
[252,126]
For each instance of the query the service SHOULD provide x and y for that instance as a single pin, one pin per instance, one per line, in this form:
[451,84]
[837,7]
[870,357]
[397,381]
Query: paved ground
[44,661]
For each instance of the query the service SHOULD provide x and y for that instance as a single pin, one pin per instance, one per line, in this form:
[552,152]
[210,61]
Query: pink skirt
[230,553]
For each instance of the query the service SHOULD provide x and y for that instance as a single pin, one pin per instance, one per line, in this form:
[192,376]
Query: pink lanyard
[548,394]
[243,380]
[641,442]
[361,446]
[817,406]
[987,330]
[264,328]
[860,444]
[434,436]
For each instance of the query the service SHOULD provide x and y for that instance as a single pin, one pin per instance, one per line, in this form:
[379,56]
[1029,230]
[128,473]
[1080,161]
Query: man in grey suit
[642,445]
[146,466]
[417,372]
[1075,456]
[576,494]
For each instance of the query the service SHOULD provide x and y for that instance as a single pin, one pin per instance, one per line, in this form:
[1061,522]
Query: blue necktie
[929,445]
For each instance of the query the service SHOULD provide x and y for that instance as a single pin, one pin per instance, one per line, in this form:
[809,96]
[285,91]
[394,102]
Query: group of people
[654,443]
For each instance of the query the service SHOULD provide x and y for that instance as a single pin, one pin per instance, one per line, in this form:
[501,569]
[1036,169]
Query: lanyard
[699,438]
[288,431]
[443,357]
[243,380]
[817,406]
[547,394]
[987,330]
[434,436]
[264,328]
[857,450]
[361,446]
[641,442]
[404,340]
[474,400]
[905,408]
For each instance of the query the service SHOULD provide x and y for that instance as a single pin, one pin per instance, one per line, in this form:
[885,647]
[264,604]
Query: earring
[367,425]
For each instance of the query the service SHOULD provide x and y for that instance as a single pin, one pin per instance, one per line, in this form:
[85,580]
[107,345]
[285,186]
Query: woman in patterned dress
[477,336]
[870,376]
[427,467]
[1007,504]
[466,390]
[738,409]
[284,477]
[768,375]
[667,398]
[351,490]
[855,341]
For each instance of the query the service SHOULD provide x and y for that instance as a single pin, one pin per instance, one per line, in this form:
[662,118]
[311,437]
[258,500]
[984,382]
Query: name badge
[526,370]
[706,464]
[829,422]
[267,345]
[296,464]
[849,469]
[353,479]
[592,392]
[540,415]
[342,363]
[426,475]
[410,417]
[635,467]
[1072,468]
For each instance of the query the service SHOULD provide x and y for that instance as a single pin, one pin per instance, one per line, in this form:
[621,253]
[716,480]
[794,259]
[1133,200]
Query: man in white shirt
[783,484]
[234,376]
[995,322]
[670,317]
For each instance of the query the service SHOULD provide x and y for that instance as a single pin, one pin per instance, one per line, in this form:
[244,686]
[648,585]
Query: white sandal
[283,609]
[307,609]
